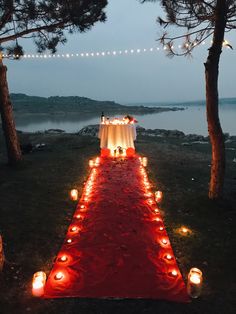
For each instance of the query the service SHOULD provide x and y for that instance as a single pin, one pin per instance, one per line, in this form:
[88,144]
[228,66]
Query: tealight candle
[174,273]
[74,194]
[194,285]
[38,283]
[63,258]
[74,229]
[164,241]
[69,240]
[150,201]
[184,230]
[161,228]
[168,257]
[59,276]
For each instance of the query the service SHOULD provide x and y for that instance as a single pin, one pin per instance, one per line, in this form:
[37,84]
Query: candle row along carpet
[116,245]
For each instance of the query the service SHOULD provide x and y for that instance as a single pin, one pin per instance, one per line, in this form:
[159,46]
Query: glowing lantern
[91,163]
[194,286]
[156,210]
[144,161]
[74,194]
[158,196]
[38,283]
[161,228]
[69,241]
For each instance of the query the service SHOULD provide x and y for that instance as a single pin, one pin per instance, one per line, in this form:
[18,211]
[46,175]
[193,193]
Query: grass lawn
[35,212]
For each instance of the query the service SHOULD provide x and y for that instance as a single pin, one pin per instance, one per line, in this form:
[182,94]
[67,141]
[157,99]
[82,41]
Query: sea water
[191,120]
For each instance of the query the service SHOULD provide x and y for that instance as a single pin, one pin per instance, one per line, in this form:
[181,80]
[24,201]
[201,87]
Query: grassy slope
[35,212]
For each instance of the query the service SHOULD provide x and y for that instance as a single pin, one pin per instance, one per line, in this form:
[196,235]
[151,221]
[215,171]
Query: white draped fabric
[114,135]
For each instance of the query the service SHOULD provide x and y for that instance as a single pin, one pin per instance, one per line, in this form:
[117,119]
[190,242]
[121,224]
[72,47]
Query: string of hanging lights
[107,53]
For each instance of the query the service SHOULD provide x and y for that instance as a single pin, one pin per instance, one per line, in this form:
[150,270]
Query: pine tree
[46,22]
[199,20]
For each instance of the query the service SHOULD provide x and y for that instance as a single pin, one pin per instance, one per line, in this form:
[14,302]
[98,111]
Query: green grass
[35,212]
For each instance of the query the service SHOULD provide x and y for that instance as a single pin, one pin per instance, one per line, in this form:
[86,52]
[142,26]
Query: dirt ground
[35,212]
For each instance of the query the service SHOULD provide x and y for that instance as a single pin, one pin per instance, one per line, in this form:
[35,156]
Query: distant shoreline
[32,105]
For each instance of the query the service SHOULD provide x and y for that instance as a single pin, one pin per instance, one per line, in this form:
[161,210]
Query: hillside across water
[24,104]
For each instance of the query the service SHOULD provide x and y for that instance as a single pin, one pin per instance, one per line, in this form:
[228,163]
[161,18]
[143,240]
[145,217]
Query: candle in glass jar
[91,163]
[144,161]
[74,194]
[38,283]
[194,286]
[158,196]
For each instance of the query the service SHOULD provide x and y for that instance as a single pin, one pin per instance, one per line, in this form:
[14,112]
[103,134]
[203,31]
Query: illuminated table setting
[117,136]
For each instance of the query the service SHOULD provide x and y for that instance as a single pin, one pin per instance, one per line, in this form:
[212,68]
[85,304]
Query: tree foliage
[196,20]
[46,21]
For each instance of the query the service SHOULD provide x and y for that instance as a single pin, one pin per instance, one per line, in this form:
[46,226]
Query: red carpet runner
[116,245]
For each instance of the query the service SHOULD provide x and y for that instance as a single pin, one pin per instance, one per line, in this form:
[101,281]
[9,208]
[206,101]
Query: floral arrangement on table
[125,120]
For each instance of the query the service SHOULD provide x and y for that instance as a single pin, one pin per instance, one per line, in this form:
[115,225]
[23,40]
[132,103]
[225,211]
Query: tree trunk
[212,102]
[8,125]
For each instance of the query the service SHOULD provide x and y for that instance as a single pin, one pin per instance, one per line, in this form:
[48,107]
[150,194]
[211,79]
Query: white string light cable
[91,54]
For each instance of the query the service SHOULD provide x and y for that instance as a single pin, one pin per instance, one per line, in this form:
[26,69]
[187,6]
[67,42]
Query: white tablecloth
[114,135]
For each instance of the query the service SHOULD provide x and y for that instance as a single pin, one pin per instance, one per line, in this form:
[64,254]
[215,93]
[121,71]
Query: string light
[112,53]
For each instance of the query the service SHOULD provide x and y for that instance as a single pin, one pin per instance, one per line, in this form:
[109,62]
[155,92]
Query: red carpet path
[116,245]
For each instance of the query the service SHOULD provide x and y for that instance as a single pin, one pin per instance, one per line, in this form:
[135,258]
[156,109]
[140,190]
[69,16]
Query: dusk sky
[145,77]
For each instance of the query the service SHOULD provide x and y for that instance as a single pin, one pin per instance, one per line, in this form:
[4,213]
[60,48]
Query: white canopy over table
[113,136]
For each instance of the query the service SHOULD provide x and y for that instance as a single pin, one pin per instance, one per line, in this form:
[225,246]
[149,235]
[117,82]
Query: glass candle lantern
[38,283]
[91,163]
[158,196]
[144,161]
[194,285]
[74,194]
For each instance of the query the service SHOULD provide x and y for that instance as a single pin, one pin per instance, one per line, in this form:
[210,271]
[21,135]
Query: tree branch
[33,30]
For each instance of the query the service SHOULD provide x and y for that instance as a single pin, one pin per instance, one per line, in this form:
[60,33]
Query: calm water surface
[191,120]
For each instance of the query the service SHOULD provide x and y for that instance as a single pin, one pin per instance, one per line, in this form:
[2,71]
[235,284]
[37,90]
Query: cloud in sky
[143,77]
